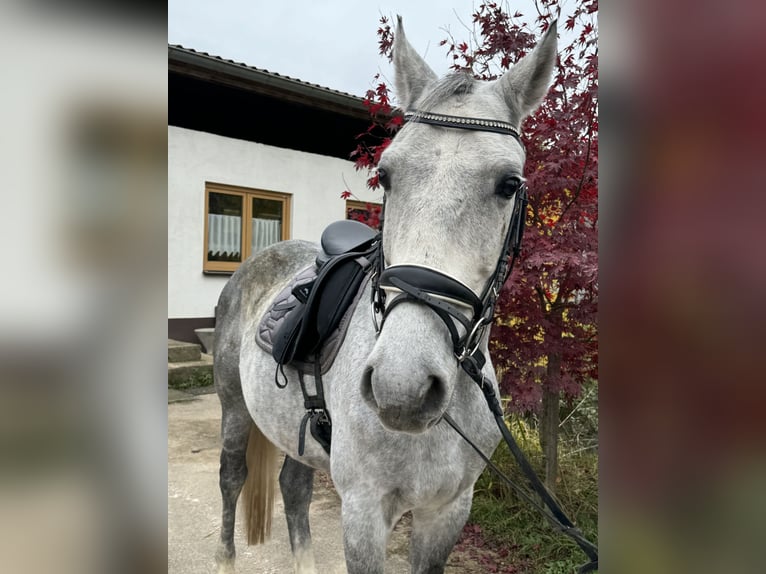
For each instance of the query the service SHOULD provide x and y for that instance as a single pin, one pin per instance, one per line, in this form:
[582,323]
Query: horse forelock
[451,85]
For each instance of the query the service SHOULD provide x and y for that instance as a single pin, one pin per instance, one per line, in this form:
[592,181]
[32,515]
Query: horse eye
[383,178]
[508,186]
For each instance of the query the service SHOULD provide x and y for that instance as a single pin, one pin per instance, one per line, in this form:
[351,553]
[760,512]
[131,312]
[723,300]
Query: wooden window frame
[361,205]
[247,194]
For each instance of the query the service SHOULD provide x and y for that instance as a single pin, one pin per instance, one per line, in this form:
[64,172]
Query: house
[253,158]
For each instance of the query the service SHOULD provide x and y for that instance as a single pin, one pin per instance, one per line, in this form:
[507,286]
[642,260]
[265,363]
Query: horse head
[449,197]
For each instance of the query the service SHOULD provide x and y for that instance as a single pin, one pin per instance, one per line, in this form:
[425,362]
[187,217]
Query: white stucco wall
[314,181]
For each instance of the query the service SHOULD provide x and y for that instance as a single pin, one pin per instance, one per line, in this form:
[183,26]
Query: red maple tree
[544,340]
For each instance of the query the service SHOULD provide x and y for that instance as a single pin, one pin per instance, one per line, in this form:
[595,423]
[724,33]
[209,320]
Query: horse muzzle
[409,377]
[407,412]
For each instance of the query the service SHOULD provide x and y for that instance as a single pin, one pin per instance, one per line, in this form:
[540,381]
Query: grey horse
[391,452]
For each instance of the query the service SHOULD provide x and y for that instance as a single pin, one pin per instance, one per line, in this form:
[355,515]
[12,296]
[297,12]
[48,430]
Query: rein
[449,298]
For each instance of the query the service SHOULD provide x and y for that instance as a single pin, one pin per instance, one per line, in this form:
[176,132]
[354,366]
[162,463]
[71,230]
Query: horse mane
[455,84]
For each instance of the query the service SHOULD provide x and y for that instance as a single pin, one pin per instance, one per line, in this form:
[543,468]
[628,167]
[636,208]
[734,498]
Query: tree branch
[544,302]
[576,195]
[535,213]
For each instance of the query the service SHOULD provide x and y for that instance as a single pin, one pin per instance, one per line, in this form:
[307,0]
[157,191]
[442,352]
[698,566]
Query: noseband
[453,301]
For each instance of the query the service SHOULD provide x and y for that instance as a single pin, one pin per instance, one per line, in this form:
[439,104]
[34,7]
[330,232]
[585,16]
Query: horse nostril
[433,396]
[366,387]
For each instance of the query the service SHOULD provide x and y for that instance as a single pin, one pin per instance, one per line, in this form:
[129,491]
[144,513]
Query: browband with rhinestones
[462,123]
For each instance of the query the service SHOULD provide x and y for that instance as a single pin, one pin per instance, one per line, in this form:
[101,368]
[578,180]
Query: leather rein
[449,297]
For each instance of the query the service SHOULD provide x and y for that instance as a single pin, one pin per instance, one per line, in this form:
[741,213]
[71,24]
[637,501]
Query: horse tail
[258,490]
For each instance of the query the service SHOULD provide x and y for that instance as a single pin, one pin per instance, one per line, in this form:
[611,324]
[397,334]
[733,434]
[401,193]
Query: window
[366,212]
[239,222]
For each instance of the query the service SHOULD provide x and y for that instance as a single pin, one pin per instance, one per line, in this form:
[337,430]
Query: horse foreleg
[296,481]
[367,525]
[435,533]
[235,429]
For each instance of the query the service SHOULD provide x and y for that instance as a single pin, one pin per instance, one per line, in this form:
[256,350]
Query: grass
[190,378]
[508,522]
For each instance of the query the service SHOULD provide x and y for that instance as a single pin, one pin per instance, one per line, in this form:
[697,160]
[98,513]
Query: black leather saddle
[348,251]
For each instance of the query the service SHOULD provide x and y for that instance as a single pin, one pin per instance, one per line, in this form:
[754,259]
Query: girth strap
[316,413]
[320,427]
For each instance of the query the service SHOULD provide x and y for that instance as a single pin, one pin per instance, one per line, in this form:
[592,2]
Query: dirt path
[194,509]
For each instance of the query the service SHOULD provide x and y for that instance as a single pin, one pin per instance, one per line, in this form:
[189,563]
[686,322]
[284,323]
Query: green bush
[510,522]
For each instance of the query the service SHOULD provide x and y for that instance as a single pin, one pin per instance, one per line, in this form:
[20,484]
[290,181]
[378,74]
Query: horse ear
[524,86]
[411,73]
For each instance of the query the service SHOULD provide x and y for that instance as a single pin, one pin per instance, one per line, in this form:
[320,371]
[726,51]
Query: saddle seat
[342,237]
[348,248]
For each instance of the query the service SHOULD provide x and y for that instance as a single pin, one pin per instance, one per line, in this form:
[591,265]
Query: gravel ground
[194,507]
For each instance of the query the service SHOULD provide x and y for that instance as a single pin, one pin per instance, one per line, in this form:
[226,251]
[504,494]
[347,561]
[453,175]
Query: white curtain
[265,232]
[224,235]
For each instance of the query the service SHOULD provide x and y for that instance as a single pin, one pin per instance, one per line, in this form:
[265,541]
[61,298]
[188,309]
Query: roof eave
[217,70]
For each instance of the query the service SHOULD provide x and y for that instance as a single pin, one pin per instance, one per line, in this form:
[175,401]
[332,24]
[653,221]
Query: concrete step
[191,374]
[181,351]
[206,337]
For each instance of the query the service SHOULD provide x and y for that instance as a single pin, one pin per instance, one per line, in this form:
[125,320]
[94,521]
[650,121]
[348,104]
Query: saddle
[320,304]
[310,316]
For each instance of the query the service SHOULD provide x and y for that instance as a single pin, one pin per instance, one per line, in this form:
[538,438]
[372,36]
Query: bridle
[447,297]
[444,294]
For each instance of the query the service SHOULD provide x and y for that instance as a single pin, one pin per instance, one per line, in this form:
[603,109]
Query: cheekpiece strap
[478,124]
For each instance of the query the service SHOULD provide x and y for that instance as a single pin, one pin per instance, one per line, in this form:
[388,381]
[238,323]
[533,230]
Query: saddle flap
[320,306]
[339,290]
[285,340]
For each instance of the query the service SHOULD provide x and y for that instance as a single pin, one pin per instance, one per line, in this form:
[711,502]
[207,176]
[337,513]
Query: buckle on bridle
[377,303]
[472,340]
[374,307]
[462,358]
